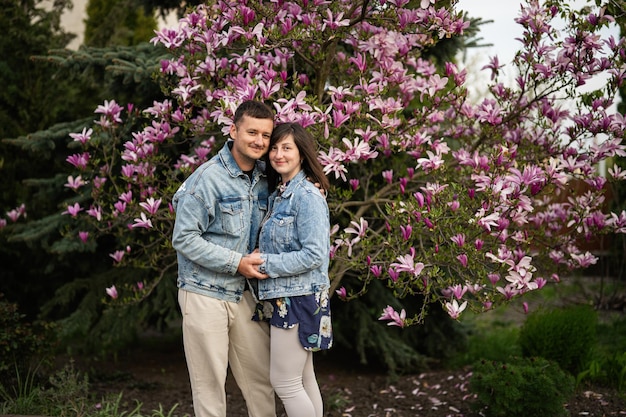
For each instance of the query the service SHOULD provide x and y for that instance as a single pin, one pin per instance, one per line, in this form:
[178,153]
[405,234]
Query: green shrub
[607,371]
[564,335]
[64,391]
[608,367]
[67,394]
[24,347]
[496,343]
[523,387]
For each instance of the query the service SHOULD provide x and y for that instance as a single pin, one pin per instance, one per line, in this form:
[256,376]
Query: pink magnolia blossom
[16,213]
[476,170]
[406,231]
[79,160]
[151,205]
[376,270]
[395,318]
[388,176]
[112,292]
[117,255]
[95,211]
[73,210]
[84,236]
[342,293]
[142,222]
[82,137]
[458,239]
[406,263]
[454,309]
[359,229]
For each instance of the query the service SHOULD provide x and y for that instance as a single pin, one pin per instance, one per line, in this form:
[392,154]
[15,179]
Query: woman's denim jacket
[295,241]
[219,210]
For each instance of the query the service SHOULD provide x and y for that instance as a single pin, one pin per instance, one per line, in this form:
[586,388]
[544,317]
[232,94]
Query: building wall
[74,21]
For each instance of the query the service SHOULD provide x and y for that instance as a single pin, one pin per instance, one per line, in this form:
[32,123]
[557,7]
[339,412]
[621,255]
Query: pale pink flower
[454,309]
[73,210]
[396,319]
[117,255]
[142,222]
[95,212]
[74,183]
[82,137]
[406,263]
[459,239]
[151,205]
[388,176]
[112,292]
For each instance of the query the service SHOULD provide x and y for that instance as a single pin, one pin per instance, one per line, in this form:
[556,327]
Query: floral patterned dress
[311,312]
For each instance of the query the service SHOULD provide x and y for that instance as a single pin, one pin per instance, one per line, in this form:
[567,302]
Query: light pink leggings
[292,374]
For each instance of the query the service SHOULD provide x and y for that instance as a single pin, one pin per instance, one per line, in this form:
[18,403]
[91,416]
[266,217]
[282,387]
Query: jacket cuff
[262,267]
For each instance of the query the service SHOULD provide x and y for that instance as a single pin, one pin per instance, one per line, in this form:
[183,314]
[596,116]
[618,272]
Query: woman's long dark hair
[307,146]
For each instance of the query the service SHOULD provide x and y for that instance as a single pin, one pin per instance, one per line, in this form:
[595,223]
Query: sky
[502,31]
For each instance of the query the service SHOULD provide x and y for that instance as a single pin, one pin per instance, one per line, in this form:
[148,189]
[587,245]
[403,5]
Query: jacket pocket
[283,230]
[232,217]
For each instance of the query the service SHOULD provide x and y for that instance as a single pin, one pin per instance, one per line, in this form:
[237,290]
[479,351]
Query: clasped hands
[249,266]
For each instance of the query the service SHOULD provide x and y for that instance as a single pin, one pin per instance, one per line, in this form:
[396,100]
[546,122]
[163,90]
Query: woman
[294,244]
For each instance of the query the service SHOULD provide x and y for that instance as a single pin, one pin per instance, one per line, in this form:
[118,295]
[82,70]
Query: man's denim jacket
[295,241]
[218,214]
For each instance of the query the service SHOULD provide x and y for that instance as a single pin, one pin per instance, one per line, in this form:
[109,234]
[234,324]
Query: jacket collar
[293,183]
[230,164]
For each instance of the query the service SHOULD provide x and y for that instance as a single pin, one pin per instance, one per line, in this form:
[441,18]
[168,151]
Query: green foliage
[357,329]
[66,390]
[122,72]
[87,325]
[23,346]
[117,23]
[31,94]
[608,366]
[67,394]
[521,387]
[35,249]
[606,371]
[496,343]
[564,335]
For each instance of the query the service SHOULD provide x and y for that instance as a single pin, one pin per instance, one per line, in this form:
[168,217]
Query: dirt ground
[158,377]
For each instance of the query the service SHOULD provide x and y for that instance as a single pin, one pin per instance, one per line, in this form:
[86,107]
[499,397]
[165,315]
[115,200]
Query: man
[219,209]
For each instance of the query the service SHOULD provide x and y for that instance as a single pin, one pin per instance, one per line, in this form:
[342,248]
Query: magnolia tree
[468,202]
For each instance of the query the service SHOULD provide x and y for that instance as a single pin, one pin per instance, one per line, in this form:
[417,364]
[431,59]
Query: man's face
[251,139]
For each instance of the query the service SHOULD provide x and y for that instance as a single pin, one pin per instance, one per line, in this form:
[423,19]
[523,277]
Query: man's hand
[249,266]
[319,187]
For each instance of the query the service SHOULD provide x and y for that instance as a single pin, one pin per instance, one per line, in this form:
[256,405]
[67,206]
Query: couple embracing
[252,236]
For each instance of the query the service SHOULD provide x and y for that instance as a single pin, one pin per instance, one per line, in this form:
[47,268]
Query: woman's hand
[249,266]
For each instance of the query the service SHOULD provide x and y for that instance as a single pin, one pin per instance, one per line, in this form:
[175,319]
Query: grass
[67,394]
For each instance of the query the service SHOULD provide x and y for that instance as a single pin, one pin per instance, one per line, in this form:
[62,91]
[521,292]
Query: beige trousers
[217,334]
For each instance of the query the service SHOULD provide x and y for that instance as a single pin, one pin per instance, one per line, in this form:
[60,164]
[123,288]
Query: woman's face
[285,158]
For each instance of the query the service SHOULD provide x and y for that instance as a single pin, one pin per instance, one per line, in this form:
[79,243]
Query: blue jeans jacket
[219,210]
[295,241]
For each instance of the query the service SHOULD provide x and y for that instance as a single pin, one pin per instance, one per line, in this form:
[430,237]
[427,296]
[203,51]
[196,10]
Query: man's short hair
[255,109]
